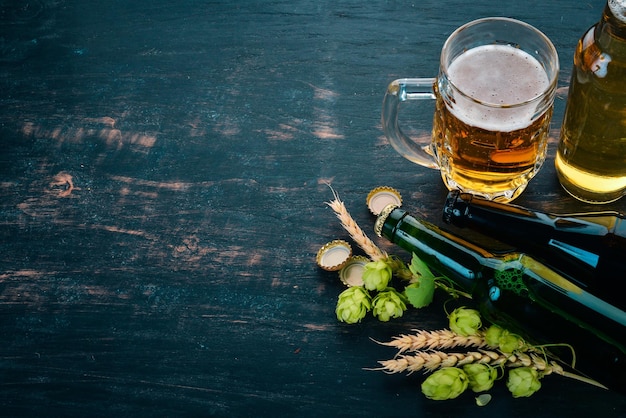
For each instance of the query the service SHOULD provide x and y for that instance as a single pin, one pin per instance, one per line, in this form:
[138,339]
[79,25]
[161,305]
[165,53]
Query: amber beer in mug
[493,103]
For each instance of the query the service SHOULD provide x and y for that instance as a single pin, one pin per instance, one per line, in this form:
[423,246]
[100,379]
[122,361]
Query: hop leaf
[421,293]
[445,383]
[419,268]
[376,275]
[353,304]
[388,304]
[523,382]
[465,321]
[422,289]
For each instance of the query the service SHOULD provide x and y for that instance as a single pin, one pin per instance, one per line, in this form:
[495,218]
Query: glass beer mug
[494,98]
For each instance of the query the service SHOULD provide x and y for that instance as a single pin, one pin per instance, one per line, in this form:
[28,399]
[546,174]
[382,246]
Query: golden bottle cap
[352,273]
[382,218]
[381,197]
[334,255]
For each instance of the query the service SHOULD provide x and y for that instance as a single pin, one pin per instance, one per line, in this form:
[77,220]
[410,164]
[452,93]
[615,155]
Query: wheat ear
[431,340]
[356,233]
[431,360]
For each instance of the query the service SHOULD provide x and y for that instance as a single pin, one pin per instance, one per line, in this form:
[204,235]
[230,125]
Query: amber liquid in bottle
[591,156]
[523,295]
[588,247]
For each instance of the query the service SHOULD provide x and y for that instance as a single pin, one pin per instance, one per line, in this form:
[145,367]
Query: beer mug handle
[399,91]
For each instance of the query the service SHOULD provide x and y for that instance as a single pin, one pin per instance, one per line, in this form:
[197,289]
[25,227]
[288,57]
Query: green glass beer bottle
[518,292]
[591,155]
[589,247]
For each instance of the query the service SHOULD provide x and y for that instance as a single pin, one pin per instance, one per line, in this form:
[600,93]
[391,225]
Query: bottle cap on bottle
[382,218]
[334,255]
[382,196]
[352,273]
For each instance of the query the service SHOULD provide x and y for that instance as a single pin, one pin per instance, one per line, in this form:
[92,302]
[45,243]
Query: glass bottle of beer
[589,247]
[591,155]
[520,293]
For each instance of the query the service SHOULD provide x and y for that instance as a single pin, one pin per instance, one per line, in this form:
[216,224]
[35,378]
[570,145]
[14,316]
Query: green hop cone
[399,268]
[481,376]
[376,275]
[353,304]
[465,321]
[509,343]
[523,382]
[445,383]
[492,336]
[501,338]
[388,304]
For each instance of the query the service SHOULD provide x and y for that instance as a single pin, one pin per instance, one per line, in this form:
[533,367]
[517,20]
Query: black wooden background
[163,173]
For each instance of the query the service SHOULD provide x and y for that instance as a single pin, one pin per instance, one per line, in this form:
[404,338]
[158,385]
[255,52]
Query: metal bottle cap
[334,255]
[352,273]
[382,217]
[382,196]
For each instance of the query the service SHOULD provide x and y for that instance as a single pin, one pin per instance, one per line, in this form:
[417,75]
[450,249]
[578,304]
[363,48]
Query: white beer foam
[497,75]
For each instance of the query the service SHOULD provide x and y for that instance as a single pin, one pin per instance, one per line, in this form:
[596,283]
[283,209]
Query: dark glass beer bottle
[588,247]
[523,295]
[591,155]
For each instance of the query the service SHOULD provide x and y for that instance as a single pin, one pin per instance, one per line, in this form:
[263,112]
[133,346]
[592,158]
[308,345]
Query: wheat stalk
[441,339]
[431,360]
[356,233]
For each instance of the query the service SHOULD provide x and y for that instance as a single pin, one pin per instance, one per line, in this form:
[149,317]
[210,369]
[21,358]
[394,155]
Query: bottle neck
[613,22]
[449,255]
[617,8]
[593,242]
[464,209]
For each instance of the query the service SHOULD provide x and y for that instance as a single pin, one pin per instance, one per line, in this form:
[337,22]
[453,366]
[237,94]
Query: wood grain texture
[163,175]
